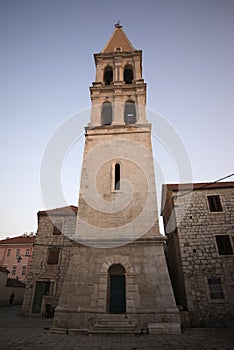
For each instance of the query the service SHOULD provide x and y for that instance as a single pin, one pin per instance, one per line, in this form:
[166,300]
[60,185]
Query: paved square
[19,333]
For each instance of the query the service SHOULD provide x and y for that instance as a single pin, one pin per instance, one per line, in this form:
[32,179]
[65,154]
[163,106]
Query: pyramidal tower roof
[118,40]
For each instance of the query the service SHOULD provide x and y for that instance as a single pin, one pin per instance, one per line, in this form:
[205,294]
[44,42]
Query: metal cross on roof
[118,24]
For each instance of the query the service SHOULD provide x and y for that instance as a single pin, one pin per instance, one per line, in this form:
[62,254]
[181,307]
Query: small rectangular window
[27,252]
[215,287]
[18,252]
[57,230]
[53,256]
[214,203]
[24,270]
[224,244]
[13,270]
[8,252]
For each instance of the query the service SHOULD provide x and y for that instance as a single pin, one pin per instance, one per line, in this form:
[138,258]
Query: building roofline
[70,210]
[12,282]
[19,240]
[167,189]
[197,186]
[4,269]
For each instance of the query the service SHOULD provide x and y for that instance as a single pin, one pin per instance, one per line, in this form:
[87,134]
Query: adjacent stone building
[199,224]
[52,250]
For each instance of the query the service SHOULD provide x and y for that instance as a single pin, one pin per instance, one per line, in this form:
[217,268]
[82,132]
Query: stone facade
[117,273]
[198,220]
[84,300]
[52,251]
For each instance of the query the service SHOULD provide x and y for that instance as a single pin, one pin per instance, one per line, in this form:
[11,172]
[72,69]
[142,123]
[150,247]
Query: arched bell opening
[128,74]
[108,75]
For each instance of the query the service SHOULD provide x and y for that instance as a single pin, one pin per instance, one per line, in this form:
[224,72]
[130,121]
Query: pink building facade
[16,254]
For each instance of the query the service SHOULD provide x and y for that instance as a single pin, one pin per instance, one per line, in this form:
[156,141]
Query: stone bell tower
[117,278]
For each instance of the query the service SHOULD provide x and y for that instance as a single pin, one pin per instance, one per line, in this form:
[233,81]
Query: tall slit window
[128,74]
[106,113]
[130,112]
[117,177]
[108,75]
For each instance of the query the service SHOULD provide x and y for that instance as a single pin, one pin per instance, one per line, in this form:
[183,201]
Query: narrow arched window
[128,74]
[106,113]
[130,112]
[117,177]
[108,75]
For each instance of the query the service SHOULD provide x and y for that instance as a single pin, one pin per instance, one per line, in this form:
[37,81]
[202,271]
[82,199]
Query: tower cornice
[118,129]
[137,86]
[116,54]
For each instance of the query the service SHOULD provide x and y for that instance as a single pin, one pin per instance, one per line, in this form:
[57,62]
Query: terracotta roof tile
[11,282]
[3,269]
[69,210]
[199,186]
[118,39]
[18,240]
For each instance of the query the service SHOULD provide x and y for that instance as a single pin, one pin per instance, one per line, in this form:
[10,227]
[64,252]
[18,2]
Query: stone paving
[19,333]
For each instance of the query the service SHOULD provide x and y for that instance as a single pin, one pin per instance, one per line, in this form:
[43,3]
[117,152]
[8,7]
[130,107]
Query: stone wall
[40,270]
[194,243]
[149,296]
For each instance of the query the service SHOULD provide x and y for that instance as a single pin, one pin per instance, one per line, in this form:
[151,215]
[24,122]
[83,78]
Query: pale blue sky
[47,66]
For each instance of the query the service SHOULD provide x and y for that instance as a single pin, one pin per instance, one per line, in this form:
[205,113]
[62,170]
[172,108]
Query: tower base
[137,323]
[88,302]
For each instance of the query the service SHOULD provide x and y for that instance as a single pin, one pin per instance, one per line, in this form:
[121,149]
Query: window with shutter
[53,256]
[224,244]
[214,203]
[57,230]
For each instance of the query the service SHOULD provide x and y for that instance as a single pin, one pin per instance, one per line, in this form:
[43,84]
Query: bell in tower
[117,276]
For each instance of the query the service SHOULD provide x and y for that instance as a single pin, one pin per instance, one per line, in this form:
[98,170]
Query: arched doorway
[117,289]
